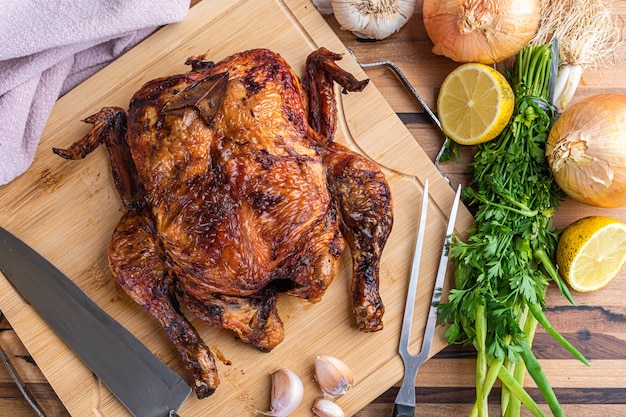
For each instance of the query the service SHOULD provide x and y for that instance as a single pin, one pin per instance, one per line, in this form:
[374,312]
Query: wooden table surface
[444,385]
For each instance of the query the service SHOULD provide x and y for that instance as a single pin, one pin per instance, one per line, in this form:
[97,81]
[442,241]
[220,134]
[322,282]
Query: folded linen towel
[49,47]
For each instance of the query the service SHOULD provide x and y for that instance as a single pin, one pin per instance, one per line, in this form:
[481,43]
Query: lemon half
[591,252]
[474,104]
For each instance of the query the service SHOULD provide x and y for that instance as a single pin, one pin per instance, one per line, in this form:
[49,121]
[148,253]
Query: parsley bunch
[505,266]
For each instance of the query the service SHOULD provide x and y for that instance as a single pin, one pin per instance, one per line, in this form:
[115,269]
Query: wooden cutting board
[67,212]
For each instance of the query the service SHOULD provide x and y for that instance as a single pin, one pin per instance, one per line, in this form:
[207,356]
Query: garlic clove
[333,376]
[287,393]
[324,407]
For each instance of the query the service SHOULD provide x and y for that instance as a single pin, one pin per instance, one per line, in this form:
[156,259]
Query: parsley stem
[529,324]
[506,398]
[481,359]
[512,385]
[541,255]
[518,391]
[489,381]
[538,313]
[537,374]
[522,210]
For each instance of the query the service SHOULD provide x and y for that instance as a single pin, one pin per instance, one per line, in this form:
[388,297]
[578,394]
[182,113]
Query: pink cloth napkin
[48,47]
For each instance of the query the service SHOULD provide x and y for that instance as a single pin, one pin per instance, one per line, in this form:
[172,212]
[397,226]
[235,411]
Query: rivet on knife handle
[404,405]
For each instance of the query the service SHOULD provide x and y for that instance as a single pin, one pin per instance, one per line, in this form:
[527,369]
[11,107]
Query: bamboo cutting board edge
[42,182]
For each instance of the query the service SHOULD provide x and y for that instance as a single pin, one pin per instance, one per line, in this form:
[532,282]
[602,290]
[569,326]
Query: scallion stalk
[503,269]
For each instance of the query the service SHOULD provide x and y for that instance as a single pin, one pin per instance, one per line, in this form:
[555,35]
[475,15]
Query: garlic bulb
[567,81]
[287,393]
[324,407]
[373,19]
[323,6]
[333,376]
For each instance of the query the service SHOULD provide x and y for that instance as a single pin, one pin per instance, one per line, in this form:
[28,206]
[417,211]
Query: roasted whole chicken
[235,192]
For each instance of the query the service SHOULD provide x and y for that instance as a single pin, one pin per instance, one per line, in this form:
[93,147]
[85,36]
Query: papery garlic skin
[566,84]
[333,376]
[287,393]
[324,407]
[323,6]
[373,19]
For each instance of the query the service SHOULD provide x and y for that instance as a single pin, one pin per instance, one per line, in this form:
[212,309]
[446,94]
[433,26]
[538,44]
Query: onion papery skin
[586,150]
[484,31]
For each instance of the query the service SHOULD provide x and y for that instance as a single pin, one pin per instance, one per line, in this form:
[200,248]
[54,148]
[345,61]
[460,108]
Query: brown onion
[586,150]
[485,31]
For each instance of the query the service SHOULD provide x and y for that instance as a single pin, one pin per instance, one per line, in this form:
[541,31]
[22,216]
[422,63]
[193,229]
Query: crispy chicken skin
[235,192]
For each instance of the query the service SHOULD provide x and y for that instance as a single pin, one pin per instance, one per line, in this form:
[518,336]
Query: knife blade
[145,385]
[404,404]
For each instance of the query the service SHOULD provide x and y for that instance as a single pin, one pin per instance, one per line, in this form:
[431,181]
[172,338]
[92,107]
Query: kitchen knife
[144,384]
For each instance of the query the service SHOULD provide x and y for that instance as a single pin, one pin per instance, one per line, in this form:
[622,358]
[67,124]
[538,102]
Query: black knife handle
[400,410]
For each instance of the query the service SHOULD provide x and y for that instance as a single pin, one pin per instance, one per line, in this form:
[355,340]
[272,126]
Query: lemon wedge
[474,104]
[591,252]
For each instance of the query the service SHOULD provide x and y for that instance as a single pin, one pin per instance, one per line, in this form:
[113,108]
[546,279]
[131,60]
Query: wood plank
[30,379]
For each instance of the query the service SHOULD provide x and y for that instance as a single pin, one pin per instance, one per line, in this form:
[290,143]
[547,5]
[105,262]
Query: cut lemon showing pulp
[591,252]
[475,103]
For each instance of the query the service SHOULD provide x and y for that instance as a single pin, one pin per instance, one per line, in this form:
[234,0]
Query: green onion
[504,267]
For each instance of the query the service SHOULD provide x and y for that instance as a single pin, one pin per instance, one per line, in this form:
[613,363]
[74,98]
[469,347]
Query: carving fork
[404,405]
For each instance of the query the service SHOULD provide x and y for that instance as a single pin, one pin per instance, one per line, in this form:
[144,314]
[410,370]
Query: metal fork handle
[404,80]
[18,381]
[394,67]
[400,410]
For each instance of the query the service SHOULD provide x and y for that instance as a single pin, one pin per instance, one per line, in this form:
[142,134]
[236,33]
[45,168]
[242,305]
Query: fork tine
[441,275]
[410,299]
